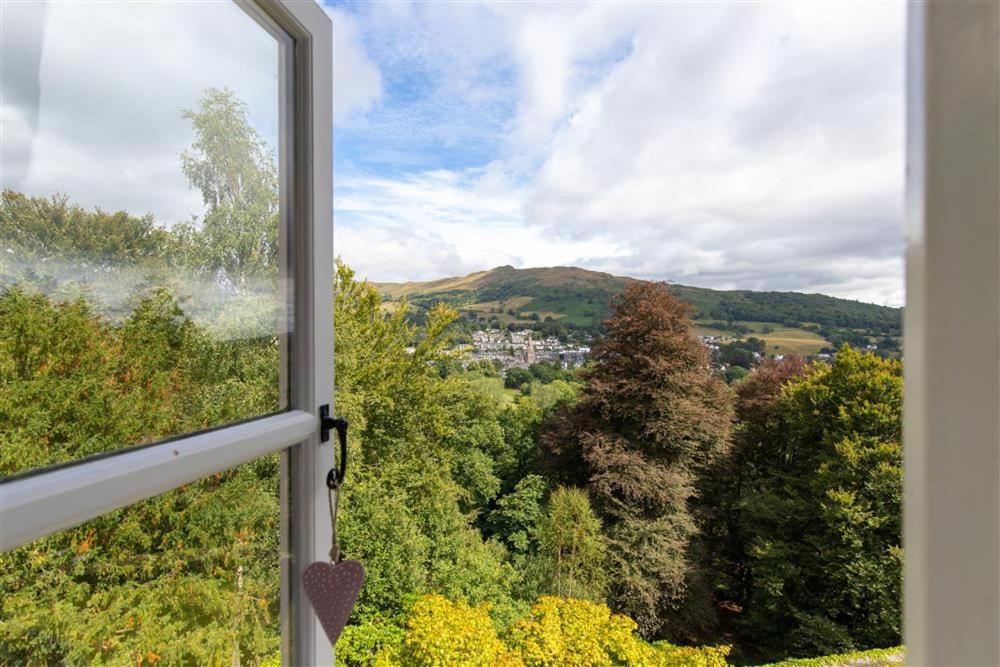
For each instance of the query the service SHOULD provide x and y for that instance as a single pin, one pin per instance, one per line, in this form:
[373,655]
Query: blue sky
[728,145]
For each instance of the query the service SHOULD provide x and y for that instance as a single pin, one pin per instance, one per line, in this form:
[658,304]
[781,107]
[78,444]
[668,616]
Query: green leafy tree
[545,372]
[55,247]
[517,377]
[485,367]
[518,514]
[141,582]
[74,386]
[734,479]
[424,466]
[555,394]
[572,551]
[235,171]
[521,421]
[825,521]
[649,421]
[40,229]
[734,374]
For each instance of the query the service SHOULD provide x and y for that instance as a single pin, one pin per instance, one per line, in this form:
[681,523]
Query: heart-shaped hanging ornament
[333,590]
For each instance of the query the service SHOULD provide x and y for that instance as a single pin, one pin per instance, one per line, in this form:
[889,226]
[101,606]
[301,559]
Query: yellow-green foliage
[692,656]
[872,658]
[561,631]
[441,632]
[556,632]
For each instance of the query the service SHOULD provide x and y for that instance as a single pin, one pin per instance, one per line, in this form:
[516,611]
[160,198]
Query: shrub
[879,656]
[360,644]
[561,631]
[555,632]
[692,656]
[441,632]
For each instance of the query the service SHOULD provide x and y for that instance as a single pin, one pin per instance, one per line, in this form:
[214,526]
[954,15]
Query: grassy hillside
[576,298]
[566,295]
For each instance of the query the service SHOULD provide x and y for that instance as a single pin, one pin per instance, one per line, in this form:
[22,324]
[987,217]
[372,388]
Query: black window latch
[335,477]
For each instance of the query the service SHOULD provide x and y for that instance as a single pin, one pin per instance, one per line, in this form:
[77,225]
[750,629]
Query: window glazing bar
[37,505]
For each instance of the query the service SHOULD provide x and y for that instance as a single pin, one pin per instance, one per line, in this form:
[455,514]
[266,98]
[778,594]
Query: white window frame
[41,504]
[952,336]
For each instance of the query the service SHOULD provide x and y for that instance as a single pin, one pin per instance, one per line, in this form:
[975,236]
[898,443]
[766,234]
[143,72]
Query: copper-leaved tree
[650,420]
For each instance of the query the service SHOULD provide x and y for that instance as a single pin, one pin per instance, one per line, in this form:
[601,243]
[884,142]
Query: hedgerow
[872,658]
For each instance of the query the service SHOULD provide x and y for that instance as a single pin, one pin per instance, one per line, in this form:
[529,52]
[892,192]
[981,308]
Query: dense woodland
[637,512]
[794,307]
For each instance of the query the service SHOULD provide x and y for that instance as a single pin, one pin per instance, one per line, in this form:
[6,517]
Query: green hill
[567,295]
[570,298]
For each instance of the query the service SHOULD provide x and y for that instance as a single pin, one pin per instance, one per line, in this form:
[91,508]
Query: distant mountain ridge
[579,297]
[507,276]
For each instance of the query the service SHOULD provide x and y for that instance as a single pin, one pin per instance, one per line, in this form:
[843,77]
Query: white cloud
[772,160]
[439,223]
[725,145]
[93,96]
[357,82]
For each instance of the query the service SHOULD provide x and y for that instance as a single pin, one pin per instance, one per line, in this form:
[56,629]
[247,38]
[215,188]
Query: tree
[518,515]
[571,548]
[554,394]
[235,170]
[56,247]
[198,561]
[520,421]
[41,229]
[824,522]
[484,366]
[737,354]
[734,479]
[517,377]
[734,374]
[650,420]
[424,450]
[545,372]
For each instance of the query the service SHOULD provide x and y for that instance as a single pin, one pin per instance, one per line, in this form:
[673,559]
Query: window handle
[335,477]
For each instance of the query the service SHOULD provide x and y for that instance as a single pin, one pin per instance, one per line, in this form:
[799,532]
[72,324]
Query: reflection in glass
[187,578]
[141,294]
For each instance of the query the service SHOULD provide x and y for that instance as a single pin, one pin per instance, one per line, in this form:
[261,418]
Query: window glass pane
[142,289]
[187,578]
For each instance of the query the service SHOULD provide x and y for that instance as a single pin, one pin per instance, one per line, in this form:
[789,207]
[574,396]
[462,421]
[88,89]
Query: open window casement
[952,336]
[272,59]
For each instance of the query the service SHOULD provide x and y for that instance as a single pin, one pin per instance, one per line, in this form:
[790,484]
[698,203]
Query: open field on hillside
[779,339]
[793,341]
[701,330]
[515,303]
